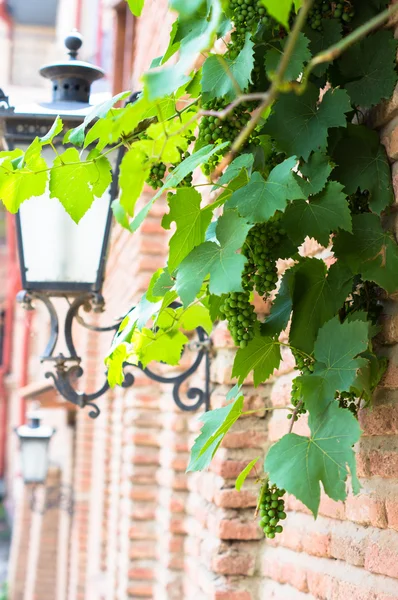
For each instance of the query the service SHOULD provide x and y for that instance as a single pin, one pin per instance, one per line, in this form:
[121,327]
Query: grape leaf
[319,217]
[279,316]
[296,64]
[169,138]
[220,261]
[115,364]
[136,6]
[368,68]
[299,464]
[216,423]
[134,170]
[244,161]
[262,355]
[240,480]
[180,172]
[184,8]
[335,350]
[163,284]
[317,295]
[300,123]
[330,34]
[260,199]
[362,162]
[370,251]
[195,316]
[75,183]
[279,10]
[191,222]
[223,77]
[20,183]
[55,130]
[160,346]
[76,136]
[316,172]
[200,36]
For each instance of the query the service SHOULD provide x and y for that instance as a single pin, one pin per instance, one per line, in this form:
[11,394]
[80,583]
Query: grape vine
[274,120]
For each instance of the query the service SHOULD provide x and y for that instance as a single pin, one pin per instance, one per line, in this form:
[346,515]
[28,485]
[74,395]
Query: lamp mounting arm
[67,369]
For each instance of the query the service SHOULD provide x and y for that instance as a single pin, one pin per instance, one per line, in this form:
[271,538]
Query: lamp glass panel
[34,456]
[55,248]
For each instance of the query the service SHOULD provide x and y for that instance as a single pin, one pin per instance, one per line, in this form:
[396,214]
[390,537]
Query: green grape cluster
[366,297]
[349,401]
[239,313]
[325,9]
[272,509]
[306,367]
[246,15]
[359,202]
[213,130]
[273,160]
[187,181]
[156,175]
[260,272]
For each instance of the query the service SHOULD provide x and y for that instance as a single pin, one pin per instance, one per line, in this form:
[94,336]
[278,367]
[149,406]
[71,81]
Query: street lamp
[62,259]
[59,258]
[34,440]
[56,255]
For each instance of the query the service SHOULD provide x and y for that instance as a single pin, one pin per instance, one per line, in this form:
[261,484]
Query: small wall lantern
[34,441]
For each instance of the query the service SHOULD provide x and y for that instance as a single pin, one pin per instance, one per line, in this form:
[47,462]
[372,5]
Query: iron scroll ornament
[68,369]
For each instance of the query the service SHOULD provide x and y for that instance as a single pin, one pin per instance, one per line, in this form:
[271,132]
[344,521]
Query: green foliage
[368,69]
[262,356]
[370,251]
[22,176]
[219,261]
[362,163]
[280,9]
[240,480]
[300,58]
[306,128]
[216,425]
[288,162]
[259,200]
[323,213]
[191,224]
[326,457]
[75,183]
[136,6]
[225,77]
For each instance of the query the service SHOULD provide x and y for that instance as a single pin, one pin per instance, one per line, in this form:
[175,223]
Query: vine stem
[267,408]
[272,94]
[261,496]
[334,51]
[294,415]
[295,350]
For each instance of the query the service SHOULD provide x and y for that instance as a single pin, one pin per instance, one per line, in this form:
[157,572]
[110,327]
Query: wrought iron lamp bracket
[67,369]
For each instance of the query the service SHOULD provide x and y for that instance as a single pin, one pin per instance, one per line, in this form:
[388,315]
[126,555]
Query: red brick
[379,420]
[245,439]
[141,573]
[382,558]
[229,469]
[234,529]
[232,595]
[234,565]
[391,505]
[234,499]
[140,591]
[366,510]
